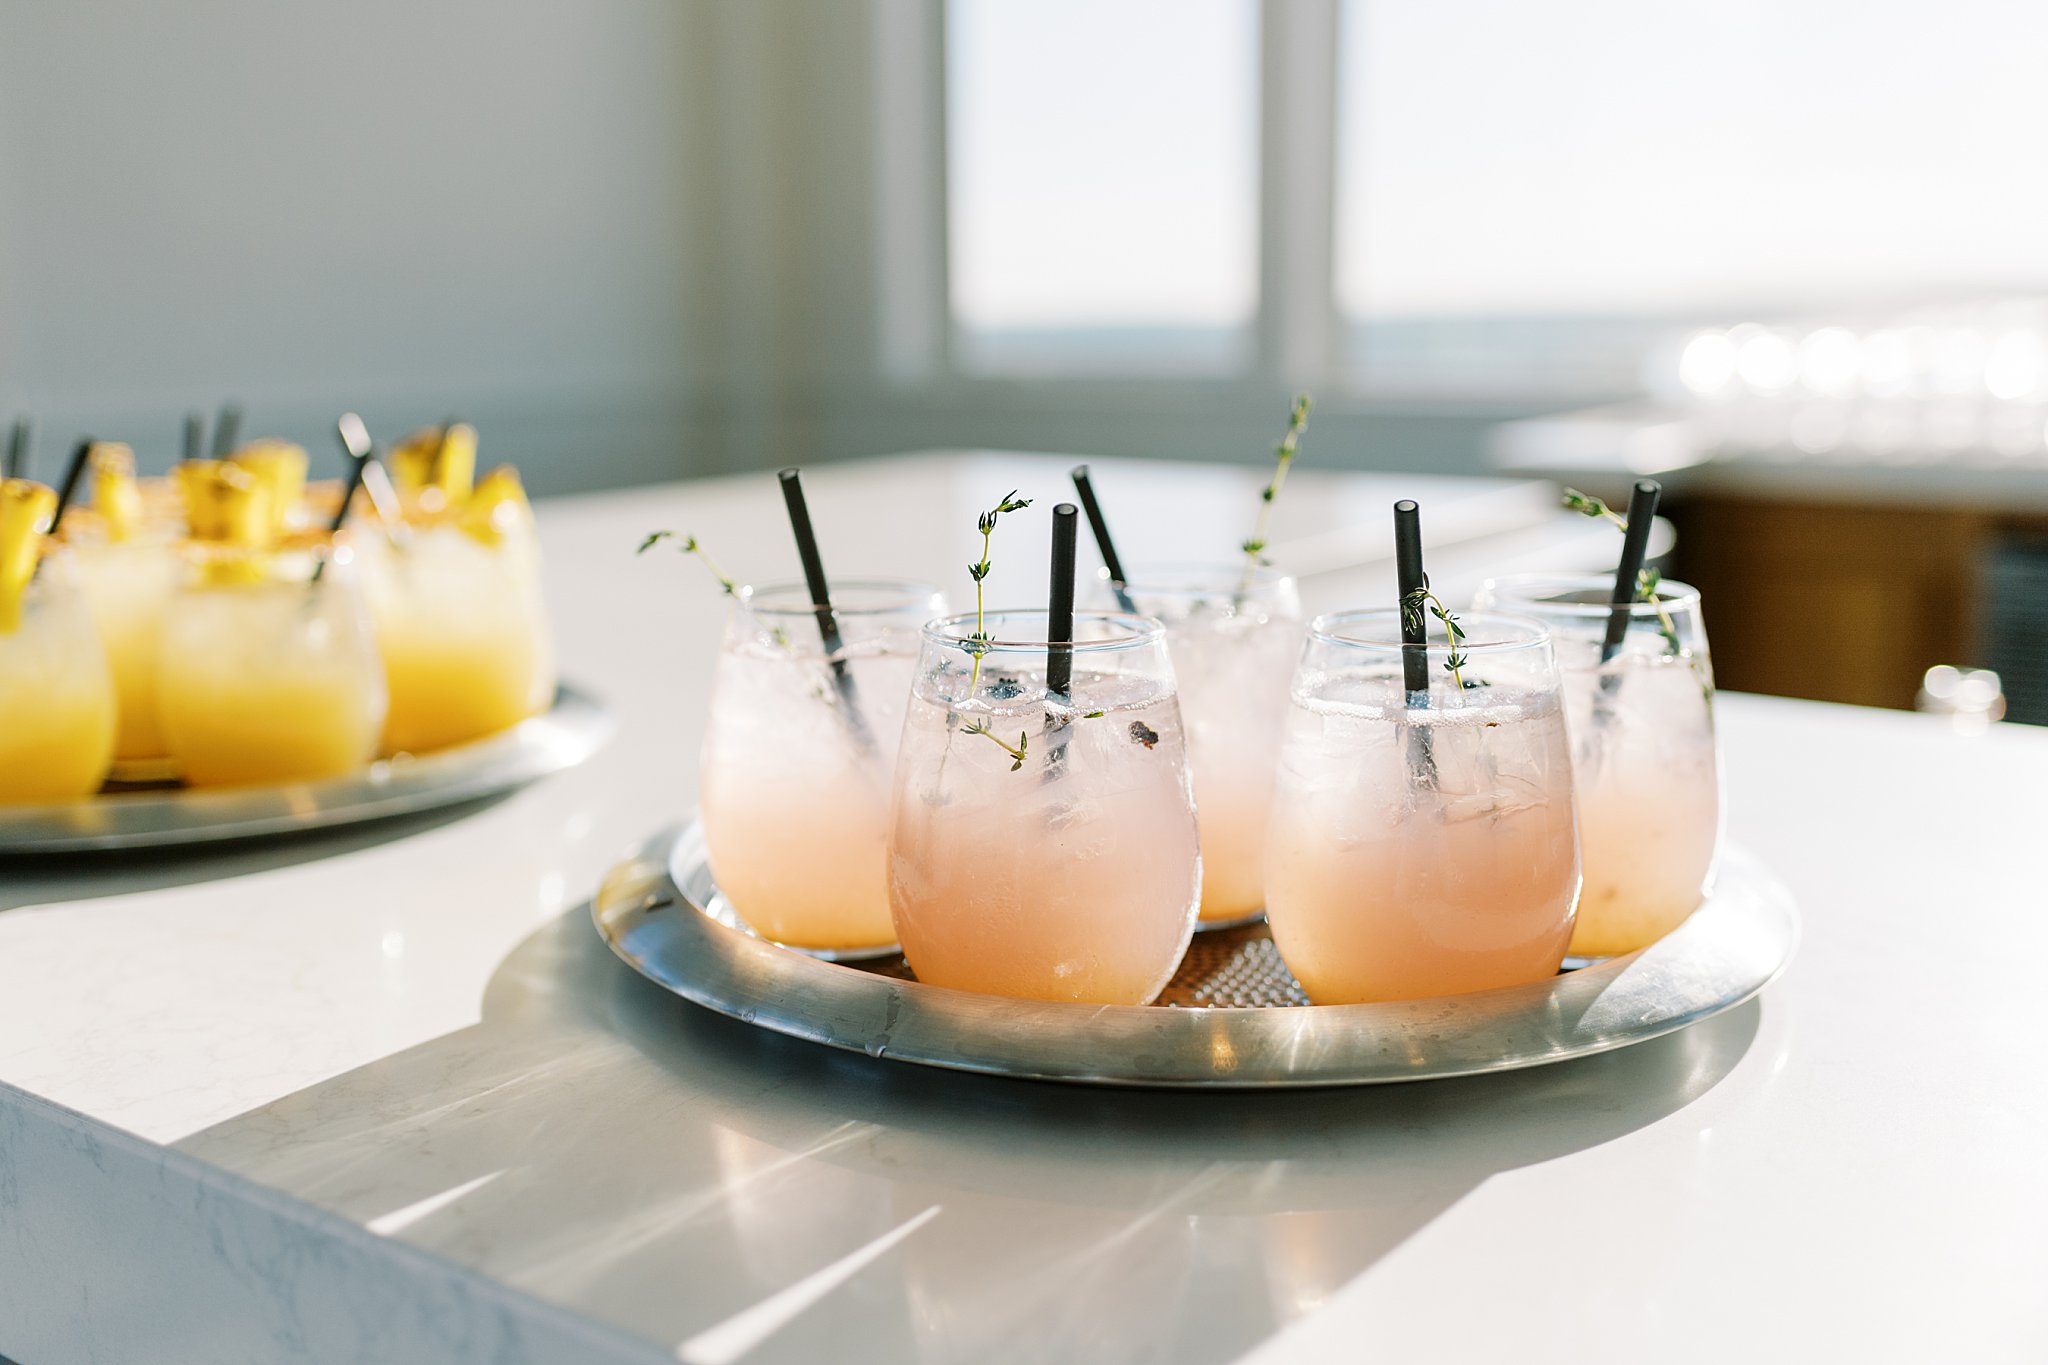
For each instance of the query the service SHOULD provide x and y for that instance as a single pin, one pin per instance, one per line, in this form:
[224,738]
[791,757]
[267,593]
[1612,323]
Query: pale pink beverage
[1235,636]
[1422,850]
[1645,761]
[795,775]
[1044,846]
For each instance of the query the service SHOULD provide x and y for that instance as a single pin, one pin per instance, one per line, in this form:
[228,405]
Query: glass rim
[900,595]
[1183,578]
[1509,589]
[1328,629]
[957,631]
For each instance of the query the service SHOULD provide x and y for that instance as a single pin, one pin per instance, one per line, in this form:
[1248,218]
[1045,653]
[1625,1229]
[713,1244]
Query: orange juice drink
[127,587]
[1422,850]
[1044,846]
[463,633]
[1644,755]
[267,676]
[794,785]
[56,695]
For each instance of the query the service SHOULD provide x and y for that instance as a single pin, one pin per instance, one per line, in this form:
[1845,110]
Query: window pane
[1555,171]
[1102,172]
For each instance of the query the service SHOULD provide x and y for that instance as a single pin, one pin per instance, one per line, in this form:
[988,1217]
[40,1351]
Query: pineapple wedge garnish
[26,509]
[498,507]
[436,466]
[230,511]
[115,494]
[196,479]
[280,467]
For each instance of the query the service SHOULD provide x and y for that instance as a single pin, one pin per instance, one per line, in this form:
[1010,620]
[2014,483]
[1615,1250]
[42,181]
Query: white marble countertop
[382,1095]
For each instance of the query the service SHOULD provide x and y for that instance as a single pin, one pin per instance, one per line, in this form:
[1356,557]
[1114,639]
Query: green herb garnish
[1648,581]
[1283,459]
[1412,608]
[979,642]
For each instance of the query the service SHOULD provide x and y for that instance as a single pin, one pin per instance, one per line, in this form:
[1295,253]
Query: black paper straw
[195,436]
[1414,625]
[72,474]
[1059,603]
[227,430]
[19,440]
[358,465]
[821,597]
[1414,634]
[1635,545]
[1119,584]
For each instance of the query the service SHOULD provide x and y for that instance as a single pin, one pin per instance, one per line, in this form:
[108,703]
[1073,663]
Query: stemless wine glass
[1234,634]
[269,674]
[127,585]
[1042,845]
[463,633]
[1643,752]
[1422,844]
[798,755]
[56,695]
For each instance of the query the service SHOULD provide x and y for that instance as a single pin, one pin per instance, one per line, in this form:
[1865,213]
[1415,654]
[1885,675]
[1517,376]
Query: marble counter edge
[190,1261]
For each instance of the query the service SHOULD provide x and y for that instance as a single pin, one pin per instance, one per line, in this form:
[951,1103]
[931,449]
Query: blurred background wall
[498,209]
[631,239]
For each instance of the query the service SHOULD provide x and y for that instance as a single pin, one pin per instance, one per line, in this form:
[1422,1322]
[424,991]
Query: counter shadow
[665,1168]
[36,878]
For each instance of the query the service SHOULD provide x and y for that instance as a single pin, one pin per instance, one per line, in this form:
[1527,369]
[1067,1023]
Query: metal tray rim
[570,731]
[1734,945]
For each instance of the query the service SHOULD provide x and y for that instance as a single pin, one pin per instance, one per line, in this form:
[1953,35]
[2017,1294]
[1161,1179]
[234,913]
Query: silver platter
[570,731]
[1232,1016]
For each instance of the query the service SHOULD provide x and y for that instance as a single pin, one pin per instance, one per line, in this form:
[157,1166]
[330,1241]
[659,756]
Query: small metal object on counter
[1232,1016]
[573,729]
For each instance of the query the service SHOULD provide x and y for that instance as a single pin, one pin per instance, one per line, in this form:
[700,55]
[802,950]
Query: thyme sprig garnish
[1016,752]
[1019,751]
[1283,460]
[688,545]
[978,643]
[1648,581]
[1412,608]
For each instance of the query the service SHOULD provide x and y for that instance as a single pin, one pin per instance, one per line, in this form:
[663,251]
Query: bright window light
[1102,179]
[1563,166]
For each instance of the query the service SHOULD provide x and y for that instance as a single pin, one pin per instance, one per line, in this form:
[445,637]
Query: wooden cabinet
[1838,602]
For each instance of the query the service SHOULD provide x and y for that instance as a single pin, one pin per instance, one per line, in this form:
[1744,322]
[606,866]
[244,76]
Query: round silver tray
[1232,1015]
[575,727]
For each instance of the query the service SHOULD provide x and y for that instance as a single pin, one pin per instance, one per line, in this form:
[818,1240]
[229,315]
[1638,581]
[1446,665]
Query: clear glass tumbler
[1234,636]
[1644,755]
[127,585]
[1422,844]
[56,695]
[795,774]
[463,633]
[1043,846]
[267,674]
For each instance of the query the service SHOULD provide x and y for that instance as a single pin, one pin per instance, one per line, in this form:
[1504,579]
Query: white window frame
[1298,340]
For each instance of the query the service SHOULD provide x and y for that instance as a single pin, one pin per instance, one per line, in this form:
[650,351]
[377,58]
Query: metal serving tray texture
[575,727]
[1232,1017]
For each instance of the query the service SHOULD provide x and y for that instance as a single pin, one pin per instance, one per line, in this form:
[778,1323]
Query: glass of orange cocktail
[463,632]
[127,566]
[1644,758]
[56,694]
[269,673]
[795,772]
[1043,838]
[1422,843]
